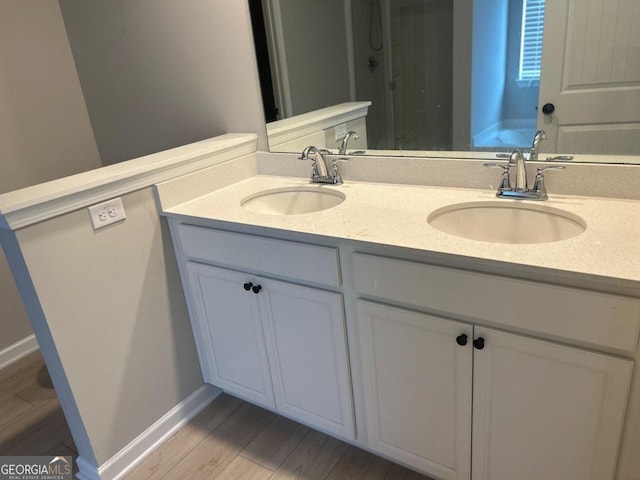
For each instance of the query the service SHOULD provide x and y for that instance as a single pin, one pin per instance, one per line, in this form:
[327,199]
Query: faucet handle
[539,170]
[335,172]
[505,183]
[305,155]
[538,186]
[560,158]
[497,165]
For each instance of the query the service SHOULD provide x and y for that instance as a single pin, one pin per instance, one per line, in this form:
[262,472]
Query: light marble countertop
[606,253]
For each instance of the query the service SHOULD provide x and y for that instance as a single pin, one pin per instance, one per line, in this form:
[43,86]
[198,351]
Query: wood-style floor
[229,440]
[31,420]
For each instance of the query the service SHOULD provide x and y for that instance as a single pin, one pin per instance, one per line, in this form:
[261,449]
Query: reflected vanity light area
[442,78]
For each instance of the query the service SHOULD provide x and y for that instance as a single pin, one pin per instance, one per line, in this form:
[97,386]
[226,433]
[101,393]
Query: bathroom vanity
[280,344]
[458,358]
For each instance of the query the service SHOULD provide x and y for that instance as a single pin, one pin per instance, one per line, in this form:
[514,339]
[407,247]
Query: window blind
[531,42]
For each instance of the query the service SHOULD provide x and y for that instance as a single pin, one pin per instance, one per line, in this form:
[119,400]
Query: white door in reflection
[591,81]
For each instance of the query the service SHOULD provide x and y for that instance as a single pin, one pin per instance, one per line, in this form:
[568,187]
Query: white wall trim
[307,123]
[351,56]
[40,202]
[277,50]
[135,452]
[18,350]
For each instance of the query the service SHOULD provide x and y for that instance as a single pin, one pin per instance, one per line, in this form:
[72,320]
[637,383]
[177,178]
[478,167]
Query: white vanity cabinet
[306,343]
[230,333]
[545,410]
[275,343]
[417,388]
[458,400]
[460,375]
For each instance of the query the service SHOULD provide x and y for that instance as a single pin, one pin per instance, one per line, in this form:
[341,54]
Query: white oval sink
[507,223]
[292,201]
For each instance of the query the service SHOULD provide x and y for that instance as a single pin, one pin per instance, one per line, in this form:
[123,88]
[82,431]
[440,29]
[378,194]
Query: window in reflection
[531,39]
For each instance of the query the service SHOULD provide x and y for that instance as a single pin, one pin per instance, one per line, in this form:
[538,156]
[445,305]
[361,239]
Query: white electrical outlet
[106,213]
[340,131]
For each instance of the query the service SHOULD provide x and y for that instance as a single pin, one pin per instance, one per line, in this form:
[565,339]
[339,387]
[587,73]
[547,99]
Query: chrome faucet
[538,138]
[517,160]
[318,161]
[345,141]
[319,170]
[521,189]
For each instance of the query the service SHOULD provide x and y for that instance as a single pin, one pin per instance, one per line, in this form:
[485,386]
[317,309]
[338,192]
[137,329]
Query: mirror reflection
[471,76]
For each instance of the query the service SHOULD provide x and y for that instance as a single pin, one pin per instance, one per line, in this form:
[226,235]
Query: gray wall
[14,324]
[489,63]
[158,74]
[422,40]
[316,53]
[114,308]
[45,131]
[370,83]
[462,62]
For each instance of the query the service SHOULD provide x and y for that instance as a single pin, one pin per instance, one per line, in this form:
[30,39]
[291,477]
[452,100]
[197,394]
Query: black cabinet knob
[247,286]
[548,108]
[256,289]
[461,339]
[479,343]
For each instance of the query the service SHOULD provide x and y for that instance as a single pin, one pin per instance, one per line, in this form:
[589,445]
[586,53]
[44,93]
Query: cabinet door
[231,339]
[307,349]
[417,381]
[544,410]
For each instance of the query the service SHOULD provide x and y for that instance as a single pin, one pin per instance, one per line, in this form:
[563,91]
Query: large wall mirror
[471,76]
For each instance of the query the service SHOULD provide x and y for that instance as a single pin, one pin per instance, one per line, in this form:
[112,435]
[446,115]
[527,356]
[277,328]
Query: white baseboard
[18,350]
[130,456]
